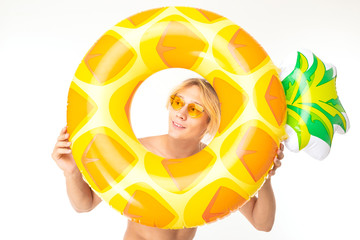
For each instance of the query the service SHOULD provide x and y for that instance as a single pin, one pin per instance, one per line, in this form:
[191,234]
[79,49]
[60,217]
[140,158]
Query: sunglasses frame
[190,106]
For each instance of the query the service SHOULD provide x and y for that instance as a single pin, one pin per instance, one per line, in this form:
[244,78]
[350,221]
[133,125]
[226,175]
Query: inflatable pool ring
[188,192]
[176,193]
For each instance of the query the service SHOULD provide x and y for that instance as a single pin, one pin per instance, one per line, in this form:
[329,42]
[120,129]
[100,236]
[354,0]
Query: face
[181,124]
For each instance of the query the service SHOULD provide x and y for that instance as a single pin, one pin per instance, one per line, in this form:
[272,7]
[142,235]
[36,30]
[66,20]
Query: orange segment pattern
[79,108]
[257,151]
[224,201]
[232,102]
[107,58]
[179,46]
[246,51]
[119,106]
[105,160]
[128,103]
[185,171]
[142,207]
[213,201]
[140,19]
[275,97]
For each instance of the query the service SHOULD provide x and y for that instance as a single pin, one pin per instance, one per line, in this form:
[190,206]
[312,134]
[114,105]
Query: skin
[178,143]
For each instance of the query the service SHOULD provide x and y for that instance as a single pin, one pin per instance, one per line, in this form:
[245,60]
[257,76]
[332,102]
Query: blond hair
[210,102]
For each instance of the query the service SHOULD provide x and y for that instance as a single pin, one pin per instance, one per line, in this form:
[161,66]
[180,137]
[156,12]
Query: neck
[179,148]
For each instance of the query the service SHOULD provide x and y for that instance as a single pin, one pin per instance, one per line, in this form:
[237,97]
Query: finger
[281,147]
[280,155]
[277,163]
[62,151]
[63,144]
[63,130]
[63,137]
[56,155]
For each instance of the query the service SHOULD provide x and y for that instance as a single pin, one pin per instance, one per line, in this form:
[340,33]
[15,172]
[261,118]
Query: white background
[42,43]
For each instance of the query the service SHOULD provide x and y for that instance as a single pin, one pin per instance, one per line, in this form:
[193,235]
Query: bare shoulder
[149,140]
[152,143]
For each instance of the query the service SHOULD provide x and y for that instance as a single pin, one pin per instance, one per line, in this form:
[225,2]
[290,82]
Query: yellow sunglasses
[195,110]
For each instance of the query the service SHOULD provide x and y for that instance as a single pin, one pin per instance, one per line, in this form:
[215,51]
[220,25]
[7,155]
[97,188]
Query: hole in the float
[149,115]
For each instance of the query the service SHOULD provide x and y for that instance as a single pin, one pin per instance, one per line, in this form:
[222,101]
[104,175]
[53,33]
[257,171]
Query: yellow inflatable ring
[176,193]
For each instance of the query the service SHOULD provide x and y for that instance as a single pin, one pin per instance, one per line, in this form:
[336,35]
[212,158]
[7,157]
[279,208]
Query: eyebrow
[193,101]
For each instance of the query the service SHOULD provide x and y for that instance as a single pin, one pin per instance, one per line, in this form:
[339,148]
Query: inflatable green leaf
[314,111]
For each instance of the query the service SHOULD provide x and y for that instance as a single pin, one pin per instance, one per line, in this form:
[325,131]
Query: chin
[177,135]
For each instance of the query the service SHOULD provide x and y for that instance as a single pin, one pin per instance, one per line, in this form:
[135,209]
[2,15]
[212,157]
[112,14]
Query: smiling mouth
[177,125]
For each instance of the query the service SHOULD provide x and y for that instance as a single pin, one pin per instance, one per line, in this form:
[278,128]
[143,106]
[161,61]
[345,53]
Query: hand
[62,153]
[277,162]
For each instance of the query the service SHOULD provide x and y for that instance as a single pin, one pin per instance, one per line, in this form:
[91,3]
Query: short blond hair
[209,99]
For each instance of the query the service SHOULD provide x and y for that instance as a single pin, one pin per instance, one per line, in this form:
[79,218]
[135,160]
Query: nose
[182,113]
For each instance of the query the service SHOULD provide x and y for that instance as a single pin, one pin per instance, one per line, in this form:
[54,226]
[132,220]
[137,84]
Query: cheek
[171,112]
[202,123]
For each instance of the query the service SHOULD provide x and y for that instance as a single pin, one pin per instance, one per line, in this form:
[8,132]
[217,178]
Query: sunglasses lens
[195,110]
[176,102]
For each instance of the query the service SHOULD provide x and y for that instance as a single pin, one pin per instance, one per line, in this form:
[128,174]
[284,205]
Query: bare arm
[81,196]
[260,211]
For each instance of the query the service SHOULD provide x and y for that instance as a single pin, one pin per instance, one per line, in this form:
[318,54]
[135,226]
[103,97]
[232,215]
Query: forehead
[191,94]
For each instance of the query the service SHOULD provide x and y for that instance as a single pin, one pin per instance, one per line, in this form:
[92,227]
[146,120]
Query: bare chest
[136,231]
[153,145]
